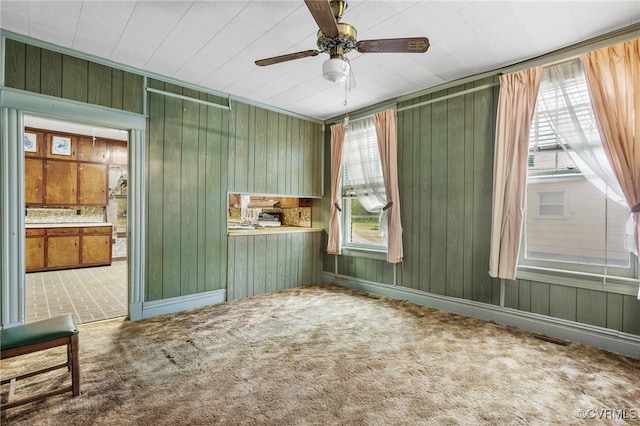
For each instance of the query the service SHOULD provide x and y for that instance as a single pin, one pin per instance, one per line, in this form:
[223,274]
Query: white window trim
[539,204]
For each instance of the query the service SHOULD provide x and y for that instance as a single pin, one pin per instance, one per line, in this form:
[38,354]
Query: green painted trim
[365,112]
[609,284]
[3,41]
[452,95]
[54,107]
[574,50]
[272,108]
[182,303]
[611,340]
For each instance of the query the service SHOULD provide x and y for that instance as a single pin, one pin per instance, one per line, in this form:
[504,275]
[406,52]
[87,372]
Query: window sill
[364,253]
[611,284]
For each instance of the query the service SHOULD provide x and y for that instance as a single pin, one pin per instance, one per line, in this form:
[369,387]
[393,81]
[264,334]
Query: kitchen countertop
[65,225]
[270,230]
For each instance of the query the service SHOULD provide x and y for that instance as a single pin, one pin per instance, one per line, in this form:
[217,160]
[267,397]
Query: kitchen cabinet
[69,170]
[118,153]
[286,202]
[33,143]
[56,247]
[92,150]
[93,184]
[96,246]
[34,249]
[33,181]
[61,146]
[63,251]
[61,183]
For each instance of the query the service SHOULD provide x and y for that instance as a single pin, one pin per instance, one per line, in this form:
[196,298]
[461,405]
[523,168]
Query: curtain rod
[187,98]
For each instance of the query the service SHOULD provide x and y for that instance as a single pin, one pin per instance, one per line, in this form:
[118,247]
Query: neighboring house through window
[574,214]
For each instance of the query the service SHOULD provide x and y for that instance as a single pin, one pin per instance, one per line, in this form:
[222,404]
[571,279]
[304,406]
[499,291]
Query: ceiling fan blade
[322,13]
[287,57]
[402,45]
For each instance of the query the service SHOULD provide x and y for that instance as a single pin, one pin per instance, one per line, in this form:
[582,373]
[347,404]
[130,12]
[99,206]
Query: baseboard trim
[182,303]
[604,338]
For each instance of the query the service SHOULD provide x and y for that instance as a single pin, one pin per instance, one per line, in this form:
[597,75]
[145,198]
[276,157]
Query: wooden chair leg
[75,364]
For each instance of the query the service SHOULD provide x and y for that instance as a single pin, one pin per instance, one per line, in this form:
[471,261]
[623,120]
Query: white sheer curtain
[364,170]
[564,102]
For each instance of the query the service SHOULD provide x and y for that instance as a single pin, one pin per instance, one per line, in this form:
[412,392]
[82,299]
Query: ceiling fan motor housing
[346,39]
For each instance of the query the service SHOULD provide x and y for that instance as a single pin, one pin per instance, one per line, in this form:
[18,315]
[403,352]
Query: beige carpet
[324,355]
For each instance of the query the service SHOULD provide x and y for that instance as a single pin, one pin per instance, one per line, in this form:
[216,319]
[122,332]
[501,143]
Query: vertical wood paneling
[562,302]
[14,74]
[467,229]
[51,73]
[614,311]
[250,150]
[261,141]
[455,197]
[423,202]
[631,314]
[188,157]
[540,298]
[99,84]
[240,133]
[271,166]
[406,184]
[189,183]
[591,307]
[283,150]
[74,78]
[132,92]
[155,170]
[172,197]
[483,125]
[259,264]
[439,200]
[524,295]
[32,74]
[116,88]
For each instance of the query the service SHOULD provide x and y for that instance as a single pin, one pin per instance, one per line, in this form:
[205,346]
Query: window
[363,193]
[574,217]
[551,204]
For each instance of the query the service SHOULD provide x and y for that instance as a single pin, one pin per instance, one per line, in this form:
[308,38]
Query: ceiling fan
[337,38]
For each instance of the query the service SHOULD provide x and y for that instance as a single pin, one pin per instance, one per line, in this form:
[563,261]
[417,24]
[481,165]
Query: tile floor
[88,294]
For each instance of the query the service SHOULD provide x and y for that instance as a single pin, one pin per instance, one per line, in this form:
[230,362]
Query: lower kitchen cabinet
[67,247]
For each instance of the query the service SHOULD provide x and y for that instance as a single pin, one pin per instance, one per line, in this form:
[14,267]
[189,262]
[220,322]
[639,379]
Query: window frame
[616,279]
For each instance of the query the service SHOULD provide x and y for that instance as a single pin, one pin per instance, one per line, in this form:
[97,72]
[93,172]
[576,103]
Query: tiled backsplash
[65,214]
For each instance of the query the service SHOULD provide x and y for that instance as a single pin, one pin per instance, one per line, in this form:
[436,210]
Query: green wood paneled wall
[272,153]
[187,187]
[39,70]
[260,264]
[445,156]
[445,159]
[600,308]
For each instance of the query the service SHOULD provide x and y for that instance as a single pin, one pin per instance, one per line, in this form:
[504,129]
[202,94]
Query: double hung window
[363,191]
[575,214]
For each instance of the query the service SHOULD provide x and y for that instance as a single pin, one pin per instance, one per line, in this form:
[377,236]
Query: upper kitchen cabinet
[66,169]
[274,153]
[92,150]
[62,146]
[117,152]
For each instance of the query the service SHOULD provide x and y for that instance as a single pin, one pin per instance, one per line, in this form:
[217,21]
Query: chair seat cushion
[37,332]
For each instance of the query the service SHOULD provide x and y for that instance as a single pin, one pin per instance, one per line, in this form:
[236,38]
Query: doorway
[91,283]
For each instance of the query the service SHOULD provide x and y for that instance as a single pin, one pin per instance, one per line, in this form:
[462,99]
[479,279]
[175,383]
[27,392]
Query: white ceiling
[213,44]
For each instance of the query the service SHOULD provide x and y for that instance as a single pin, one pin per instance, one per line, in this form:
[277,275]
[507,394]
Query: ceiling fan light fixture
[335,69]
